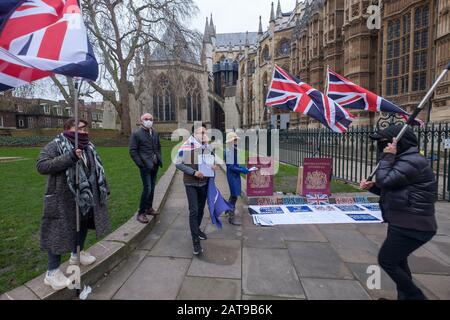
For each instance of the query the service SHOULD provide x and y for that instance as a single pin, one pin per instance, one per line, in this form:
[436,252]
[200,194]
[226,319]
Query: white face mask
[148,124]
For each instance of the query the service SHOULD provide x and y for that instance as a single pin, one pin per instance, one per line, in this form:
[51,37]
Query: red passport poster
[317,176]
[260,183]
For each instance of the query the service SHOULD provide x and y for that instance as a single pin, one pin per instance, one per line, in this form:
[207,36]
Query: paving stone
[220,259]
[156,278]
[270,238]
[270,272]
[438,285]
[182,222]
[20,293]
[327,289]
[337,227]
[107,287]
[352,246]
[388,289]
[228,231]
[157,232]
[317,260]
[423,261]
[440,246]
[373,229]
[195,288]
[174,243]
[302,233]
[444,228]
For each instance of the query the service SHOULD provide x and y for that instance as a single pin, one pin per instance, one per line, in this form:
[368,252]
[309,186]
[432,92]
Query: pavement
[326,262]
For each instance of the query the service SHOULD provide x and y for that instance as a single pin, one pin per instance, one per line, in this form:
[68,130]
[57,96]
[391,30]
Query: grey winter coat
[58,228]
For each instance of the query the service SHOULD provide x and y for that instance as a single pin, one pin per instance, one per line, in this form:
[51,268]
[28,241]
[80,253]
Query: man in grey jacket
[195,182]
[145,150]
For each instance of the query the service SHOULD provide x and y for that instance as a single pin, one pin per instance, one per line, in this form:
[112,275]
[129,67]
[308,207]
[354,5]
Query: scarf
[86,198]
[83,139]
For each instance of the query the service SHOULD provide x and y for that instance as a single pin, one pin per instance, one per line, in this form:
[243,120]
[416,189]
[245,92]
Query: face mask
[148,124]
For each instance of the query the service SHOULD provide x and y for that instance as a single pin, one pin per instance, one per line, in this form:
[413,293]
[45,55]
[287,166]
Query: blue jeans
[148,181]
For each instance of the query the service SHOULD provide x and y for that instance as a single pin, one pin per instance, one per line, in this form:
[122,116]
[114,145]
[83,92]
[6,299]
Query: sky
[237,15]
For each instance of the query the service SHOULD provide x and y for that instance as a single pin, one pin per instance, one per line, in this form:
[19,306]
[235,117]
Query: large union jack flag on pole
[286,92]
[351,96]
[39,38]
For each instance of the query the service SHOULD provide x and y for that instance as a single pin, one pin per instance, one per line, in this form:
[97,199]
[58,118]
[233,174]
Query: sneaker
[57,280]
[86,259]
[202,236]
[142,218]
[197,248]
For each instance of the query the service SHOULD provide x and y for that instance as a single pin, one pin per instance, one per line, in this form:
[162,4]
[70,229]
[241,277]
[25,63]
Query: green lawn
[286,181]
[22,190]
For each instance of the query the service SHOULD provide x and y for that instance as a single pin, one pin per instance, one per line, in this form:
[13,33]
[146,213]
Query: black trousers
[148,192]
[393,258]
[233,201]
[197,200]
[54,260]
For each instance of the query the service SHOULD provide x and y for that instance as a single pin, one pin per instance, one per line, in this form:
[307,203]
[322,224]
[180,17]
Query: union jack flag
[351,96]
[39,38]
[317,199]
[286,92]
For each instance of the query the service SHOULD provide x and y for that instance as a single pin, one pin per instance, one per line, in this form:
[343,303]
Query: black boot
[231,220]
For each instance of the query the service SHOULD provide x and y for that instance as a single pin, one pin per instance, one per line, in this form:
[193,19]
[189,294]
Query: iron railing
[355,155]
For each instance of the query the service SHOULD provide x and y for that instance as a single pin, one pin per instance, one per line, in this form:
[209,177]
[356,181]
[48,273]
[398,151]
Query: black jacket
[407,185]
[145,148]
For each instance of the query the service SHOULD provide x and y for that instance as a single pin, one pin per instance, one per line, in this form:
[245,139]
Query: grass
[22,189]
[286,181]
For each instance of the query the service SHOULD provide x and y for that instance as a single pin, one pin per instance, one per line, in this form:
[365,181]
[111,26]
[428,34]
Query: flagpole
[319,148]
[77,173]
[416,113]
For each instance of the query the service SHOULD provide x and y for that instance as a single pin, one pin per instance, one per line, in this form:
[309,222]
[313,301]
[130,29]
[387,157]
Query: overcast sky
[237,15]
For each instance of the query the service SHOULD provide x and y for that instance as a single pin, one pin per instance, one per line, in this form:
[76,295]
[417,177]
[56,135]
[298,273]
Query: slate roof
[236,39]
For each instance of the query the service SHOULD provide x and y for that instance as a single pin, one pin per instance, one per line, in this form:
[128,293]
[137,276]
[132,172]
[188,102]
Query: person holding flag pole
[407,187]
[39,39]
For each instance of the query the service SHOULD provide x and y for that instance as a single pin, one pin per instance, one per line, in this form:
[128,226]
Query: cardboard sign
[317,176]
[260,183]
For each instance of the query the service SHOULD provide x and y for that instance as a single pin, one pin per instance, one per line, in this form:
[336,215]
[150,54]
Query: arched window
[193,100]
[284,47]
[265,54]
[164,101]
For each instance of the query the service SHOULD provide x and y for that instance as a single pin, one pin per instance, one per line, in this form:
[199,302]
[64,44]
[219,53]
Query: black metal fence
[355,155]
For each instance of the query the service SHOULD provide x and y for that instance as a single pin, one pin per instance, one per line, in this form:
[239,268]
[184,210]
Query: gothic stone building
[226,85]
[398,61]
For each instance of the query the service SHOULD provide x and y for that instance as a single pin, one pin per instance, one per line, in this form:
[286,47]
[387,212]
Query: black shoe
[202,236]
[197,249]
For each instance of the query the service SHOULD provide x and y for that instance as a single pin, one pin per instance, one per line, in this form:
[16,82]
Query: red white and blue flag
[39,38]
[351,96]
[317,199]
[286,92]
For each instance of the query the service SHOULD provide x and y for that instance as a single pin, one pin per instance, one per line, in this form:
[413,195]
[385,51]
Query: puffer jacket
[407,185]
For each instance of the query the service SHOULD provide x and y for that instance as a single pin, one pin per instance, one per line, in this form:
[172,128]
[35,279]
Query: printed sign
[299,209]
[271,210]
[317,176]
[260,183]
[349,208]
[363,217]
[372,207]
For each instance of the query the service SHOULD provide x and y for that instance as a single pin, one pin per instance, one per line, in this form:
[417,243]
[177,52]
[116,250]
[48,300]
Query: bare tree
[120,29]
